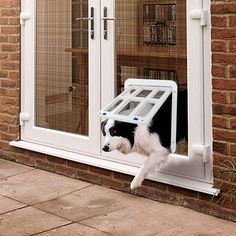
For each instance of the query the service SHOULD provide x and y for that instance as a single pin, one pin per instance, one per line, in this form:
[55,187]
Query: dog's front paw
[135,183]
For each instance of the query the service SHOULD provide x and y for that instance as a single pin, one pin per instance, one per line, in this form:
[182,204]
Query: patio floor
[35,202]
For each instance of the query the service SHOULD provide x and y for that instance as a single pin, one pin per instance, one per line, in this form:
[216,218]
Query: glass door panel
[151,44]
[61,61]
[150,39]
[62,75]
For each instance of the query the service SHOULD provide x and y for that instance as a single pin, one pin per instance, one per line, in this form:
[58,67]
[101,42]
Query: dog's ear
[103,124]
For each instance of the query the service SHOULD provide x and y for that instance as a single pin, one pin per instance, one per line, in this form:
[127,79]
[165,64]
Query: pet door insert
[141,100]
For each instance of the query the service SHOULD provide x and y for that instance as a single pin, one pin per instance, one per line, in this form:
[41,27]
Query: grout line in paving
[63,195]
[44,231]
[91,217]
[92,227]
[10,176]
[13,210]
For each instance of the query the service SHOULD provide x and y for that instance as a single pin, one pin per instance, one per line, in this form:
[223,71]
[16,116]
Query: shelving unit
[159,24]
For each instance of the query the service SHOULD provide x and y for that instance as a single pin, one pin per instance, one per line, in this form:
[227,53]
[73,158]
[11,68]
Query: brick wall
[224,99]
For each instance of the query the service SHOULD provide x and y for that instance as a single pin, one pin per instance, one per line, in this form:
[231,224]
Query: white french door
[61,74]
[160,40]
[77,55]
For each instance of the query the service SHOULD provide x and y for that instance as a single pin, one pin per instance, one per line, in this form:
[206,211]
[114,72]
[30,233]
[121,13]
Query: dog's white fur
[144,143]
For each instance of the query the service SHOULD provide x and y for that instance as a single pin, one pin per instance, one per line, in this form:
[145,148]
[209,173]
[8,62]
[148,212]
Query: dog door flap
[141,100]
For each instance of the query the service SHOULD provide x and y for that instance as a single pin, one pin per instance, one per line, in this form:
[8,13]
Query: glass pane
[114,106]
[151,43]
[144,93]
[148,107]
[128,108]
[62,65]
[159,94]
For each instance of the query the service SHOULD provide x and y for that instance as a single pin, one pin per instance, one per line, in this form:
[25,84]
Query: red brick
[226,135]
[100,171]
[14,21]
[45,165]
[232,72]
[219,71]
[89,177]
[3,127]
[224,84]
[4,3]
[221,122]
[56,160]
[232,46]
[218,46]
[122,177]
[15,3]
[8,137]
[219,97]
[233,123]
[77,165]
[65,170]
[10,65]
[3,21]
[9,12]
[3,74]
[110,182]
[232,98]
[6,119]
[6,83]
[10,30]
[221,147]
[223,33]
[233,150]
[218,21]
[232,21]
[4,39]
[223,8]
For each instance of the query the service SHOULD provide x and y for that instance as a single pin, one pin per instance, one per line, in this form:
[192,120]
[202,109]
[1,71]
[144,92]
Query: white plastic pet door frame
[141,100]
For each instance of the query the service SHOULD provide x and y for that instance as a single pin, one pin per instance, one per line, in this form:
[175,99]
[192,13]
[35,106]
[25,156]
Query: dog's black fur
[160,124]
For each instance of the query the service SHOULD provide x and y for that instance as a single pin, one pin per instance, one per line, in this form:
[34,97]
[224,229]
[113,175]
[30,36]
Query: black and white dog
[153,140]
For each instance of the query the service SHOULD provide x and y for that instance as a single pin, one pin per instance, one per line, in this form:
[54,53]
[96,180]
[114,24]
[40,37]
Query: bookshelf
[159,24]
[163,25]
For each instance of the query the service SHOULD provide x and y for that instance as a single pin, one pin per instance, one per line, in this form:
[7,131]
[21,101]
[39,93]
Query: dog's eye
[112,132]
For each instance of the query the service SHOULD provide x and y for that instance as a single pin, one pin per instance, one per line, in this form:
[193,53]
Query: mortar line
[10,176]
[44,231]
[63,195]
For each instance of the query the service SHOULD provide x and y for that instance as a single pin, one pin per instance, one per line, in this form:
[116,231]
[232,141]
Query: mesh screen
[61,80]
[151,43]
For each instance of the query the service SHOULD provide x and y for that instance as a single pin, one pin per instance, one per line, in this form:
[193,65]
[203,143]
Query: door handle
[91,19]
[105,19]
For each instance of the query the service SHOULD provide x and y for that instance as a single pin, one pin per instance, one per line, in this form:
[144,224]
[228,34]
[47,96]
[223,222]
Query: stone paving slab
[28,221]
[89,202]
[97,210]
[8,169]
[7,205]
[160,220]
[74,230]
[37,186]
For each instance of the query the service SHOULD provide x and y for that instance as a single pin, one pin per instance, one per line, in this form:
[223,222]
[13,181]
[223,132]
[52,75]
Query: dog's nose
[105,148]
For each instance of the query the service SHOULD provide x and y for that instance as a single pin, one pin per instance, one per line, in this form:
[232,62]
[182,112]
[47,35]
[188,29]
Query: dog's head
[118,136]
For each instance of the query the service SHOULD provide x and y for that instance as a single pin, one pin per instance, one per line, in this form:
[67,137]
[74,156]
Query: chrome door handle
[91,19]
[84,18]
[105,19]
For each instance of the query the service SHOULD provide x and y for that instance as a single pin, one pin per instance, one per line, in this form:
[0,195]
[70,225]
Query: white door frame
[193,165]
[54,138]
